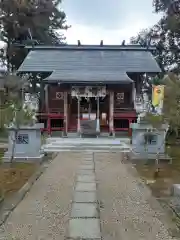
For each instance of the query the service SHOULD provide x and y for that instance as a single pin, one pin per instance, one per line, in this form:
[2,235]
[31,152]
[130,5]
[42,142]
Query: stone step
[86,146]
[86,150]
[82,146]
[84,142]
[47,148]
[54,139]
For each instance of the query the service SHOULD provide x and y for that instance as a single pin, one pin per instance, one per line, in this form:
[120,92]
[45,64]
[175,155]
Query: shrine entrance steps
[55,144]
[74,134]
[102,135]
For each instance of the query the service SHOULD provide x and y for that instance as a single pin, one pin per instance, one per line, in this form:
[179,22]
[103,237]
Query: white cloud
[108,20]
[93,35]
[111,21]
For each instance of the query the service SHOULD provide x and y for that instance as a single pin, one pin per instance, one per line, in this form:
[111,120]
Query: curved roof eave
[121,77]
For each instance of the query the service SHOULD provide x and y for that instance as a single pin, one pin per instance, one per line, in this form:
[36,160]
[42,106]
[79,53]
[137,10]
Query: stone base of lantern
[27,145]
[23,159]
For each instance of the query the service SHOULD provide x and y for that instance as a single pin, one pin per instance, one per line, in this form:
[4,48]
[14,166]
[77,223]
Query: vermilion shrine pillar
[79,126]
[111,113]
[133,98]
[47,108]
[65,113]
[134,105]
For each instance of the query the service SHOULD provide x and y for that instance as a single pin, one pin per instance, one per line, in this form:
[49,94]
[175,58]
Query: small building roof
[89,76]
[72,63]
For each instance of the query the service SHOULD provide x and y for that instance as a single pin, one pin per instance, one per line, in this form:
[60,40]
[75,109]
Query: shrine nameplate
[22,139]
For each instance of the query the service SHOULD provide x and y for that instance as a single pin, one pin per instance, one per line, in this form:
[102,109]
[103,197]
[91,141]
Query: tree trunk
[13,147]
[157,170]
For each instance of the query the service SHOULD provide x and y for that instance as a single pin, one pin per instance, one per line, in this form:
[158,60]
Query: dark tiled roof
[89,63]
[86,76]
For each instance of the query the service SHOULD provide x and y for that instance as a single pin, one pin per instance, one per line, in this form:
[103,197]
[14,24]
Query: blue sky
[110,20]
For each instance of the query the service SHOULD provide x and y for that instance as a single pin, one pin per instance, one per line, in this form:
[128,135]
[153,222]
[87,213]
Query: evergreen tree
[30,22]
[153,36]
[171,30]
[168,29]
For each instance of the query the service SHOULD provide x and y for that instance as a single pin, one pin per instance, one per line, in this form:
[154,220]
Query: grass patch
[161,185]
[4,135]
[13,178]
[1,154]
[169,173]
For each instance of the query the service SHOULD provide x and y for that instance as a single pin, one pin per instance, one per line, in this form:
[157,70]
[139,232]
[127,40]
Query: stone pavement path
[87,196]
[44,212]
[84,222]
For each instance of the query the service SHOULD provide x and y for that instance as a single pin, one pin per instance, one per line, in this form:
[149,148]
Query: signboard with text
[22,139]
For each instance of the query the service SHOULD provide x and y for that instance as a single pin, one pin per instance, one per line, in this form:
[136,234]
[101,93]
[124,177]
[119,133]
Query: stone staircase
[86,144]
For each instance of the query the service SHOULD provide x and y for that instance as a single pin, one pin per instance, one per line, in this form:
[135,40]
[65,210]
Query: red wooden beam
[121,129]
[125,115]
[49,126]
[52,129]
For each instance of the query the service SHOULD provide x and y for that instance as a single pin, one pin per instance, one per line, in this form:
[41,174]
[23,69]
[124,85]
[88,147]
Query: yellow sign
[157,95]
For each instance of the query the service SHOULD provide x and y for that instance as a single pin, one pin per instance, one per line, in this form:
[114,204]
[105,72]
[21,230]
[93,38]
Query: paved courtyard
[87,196]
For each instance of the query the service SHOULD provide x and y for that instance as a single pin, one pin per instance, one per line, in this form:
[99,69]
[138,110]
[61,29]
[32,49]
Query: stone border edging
[8,206]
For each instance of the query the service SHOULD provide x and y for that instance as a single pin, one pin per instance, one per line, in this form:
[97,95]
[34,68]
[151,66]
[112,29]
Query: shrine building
[94,84]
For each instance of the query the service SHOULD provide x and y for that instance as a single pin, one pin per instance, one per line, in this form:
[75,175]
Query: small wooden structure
[89,82]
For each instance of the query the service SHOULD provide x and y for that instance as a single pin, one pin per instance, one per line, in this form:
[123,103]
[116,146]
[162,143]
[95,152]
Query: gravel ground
[44,212]
[127,209]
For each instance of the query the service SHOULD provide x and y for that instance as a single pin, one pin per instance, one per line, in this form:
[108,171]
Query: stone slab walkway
[85,219]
